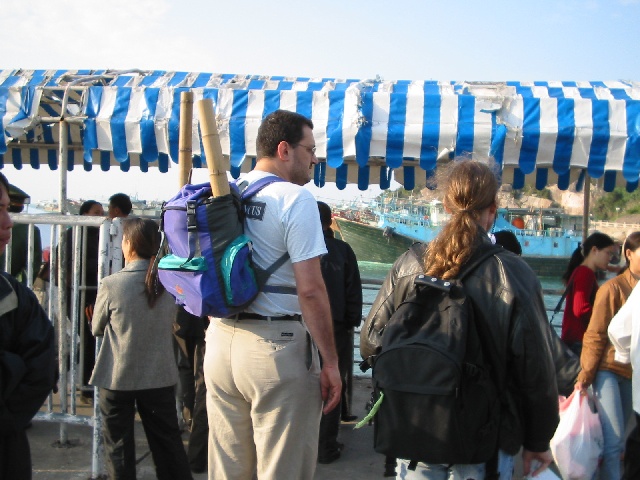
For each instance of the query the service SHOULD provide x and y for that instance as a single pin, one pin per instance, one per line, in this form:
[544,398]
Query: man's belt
[255,316]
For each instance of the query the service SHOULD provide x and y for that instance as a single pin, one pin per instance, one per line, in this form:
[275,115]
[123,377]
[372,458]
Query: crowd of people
[263,392]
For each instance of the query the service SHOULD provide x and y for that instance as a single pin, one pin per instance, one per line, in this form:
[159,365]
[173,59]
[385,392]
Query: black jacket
[509,295]
[342,279]
[27,355]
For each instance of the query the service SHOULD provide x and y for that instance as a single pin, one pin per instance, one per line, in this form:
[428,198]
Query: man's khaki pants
[263,399]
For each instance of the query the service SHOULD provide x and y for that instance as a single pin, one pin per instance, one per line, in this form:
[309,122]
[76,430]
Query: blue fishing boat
[380,232]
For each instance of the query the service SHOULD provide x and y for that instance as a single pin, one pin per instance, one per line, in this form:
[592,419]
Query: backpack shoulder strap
[484,252]
[564,295]
[246,192]
[418,249]
[558,307]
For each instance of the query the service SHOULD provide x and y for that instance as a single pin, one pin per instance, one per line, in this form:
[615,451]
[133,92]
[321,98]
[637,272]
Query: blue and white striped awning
[540,132]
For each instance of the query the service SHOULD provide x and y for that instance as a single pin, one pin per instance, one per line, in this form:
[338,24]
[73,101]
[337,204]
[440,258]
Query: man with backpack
[265,386]
[507,339]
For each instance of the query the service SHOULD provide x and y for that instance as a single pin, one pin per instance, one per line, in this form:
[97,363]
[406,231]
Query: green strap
[371,413]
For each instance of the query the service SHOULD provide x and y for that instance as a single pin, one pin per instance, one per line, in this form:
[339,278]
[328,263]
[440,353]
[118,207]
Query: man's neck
[271,166]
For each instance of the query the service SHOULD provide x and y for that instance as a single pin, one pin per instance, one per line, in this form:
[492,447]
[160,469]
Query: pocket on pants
[312,357]
[279,338]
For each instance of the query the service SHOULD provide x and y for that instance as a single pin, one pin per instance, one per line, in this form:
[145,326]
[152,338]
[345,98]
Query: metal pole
[97,462]
[62,162]
[587,201]
[63,343]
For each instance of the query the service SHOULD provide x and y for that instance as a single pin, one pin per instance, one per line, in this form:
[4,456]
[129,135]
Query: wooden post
[185,140]
[212,149]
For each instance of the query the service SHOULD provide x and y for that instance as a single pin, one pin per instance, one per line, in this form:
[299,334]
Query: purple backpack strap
[248,191]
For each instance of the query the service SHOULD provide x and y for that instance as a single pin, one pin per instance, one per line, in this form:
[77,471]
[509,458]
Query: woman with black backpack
[510,319]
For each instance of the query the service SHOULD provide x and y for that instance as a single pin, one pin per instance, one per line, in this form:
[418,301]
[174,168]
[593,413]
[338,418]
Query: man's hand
[545,459]
[330,387]
[88,311]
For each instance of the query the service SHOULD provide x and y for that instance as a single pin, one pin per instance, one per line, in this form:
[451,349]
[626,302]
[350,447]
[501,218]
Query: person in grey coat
[136,368]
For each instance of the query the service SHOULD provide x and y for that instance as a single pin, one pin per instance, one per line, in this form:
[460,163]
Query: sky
[399,40]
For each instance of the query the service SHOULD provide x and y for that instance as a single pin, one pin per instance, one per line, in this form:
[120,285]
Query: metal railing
[65,307]
[374,285]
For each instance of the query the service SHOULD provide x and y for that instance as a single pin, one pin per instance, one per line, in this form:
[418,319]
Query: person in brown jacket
[611,380]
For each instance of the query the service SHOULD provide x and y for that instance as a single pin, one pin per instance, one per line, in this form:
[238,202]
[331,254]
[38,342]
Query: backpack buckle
[191,216]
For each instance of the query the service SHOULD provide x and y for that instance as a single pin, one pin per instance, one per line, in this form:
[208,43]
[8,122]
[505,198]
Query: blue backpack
[209,269]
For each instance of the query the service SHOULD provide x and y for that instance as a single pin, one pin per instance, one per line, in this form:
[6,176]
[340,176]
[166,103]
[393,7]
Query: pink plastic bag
[577,444]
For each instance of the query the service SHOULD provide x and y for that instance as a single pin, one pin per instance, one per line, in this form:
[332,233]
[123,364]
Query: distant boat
[382,232]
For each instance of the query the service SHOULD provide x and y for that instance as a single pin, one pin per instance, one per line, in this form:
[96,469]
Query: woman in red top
[596,253]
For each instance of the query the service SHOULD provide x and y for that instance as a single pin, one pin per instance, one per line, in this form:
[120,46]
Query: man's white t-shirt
[282,217]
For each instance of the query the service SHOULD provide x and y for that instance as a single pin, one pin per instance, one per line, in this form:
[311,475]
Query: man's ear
[284,150]
[493,208]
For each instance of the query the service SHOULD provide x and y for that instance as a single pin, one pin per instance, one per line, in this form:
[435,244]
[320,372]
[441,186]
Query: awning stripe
[118,118]
[92,107]
[395,135]
[334,130]
[530,126]
[530,134]
[631,163]
[565,137]
[364,134]
[236,127]
[466,120]
[430,130]
[147,126]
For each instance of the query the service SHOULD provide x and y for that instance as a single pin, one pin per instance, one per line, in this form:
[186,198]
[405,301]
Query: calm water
[378,271]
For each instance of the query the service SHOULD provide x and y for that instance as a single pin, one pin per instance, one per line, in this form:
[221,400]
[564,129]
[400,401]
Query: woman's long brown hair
[470,188]
[144,238]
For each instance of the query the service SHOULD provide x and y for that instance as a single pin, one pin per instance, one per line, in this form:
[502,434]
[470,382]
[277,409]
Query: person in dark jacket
[508,294]
[342,279]
[94,209]
[189,334]
[566,362]
[27,360]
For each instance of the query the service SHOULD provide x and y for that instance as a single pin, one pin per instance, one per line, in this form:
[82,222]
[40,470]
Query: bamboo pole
[185,140]
[212,149]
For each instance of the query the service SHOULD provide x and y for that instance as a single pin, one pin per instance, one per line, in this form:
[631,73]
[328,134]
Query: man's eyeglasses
[311,150]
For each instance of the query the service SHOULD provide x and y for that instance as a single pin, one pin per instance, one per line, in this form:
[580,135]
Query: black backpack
[437,402]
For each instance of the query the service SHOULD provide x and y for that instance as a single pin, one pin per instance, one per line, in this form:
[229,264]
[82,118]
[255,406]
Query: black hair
[86,206]
[509,241]
[122,201]
[597,239]
[632,242]
[325,214]
[144,238]
[280,126]
[4,182]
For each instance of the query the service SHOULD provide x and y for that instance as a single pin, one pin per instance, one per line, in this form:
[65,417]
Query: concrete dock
[73,461]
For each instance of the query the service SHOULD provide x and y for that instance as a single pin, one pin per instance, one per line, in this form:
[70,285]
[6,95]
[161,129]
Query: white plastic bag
[577,444]
[546,474]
